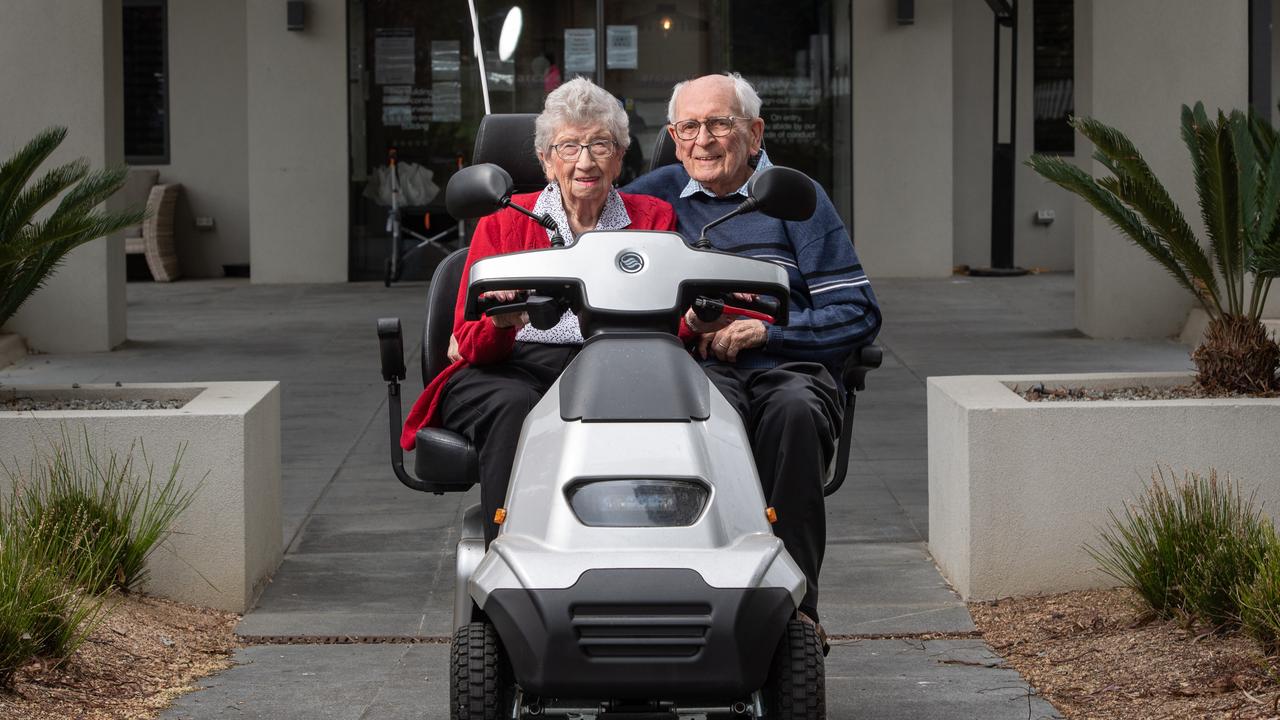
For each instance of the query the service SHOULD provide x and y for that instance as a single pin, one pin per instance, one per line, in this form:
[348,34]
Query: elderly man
[783,380]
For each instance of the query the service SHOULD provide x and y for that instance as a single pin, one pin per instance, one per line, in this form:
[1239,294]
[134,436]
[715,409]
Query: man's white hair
[581,103]
[748,99]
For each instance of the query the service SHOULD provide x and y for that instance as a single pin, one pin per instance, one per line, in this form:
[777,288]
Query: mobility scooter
[635,574]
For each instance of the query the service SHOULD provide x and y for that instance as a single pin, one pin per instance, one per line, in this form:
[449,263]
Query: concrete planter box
[1016,488]
[227,544]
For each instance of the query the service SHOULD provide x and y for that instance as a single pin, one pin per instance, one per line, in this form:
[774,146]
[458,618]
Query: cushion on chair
[445,460]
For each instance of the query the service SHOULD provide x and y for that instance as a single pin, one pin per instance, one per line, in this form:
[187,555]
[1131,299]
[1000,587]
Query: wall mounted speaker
[906,12]
[297,12]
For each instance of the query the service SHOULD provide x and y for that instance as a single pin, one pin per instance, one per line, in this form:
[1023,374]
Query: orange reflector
[499,516]
[771,514]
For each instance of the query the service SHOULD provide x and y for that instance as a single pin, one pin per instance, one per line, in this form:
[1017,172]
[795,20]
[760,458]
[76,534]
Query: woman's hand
[452,353]
[516,320]
[738,335]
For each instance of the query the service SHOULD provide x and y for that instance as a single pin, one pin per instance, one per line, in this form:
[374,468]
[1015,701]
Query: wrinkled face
[720,163]
[586,178]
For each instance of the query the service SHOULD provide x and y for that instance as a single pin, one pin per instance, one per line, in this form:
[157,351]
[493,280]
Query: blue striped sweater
[833,309]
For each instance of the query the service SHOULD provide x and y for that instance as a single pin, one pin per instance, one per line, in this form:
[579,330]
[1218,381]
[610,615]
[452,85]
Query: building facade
[277,124]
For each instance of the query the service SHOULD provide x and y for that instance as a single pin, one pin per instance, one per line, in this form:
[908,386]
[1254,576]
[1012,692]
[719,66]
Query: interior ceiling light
[510,34]
[666,23]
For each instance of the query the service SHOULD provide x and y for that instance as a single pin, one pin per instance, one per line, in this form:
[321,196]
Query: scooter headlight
[638,503]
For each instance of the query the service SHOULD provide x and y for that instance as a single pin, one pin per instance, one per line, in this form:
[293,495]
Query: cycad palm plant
[1237,177]
[31,246]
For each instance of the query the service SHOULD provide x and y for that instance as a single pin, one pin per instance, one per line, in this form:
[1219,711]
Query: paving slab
[871,679]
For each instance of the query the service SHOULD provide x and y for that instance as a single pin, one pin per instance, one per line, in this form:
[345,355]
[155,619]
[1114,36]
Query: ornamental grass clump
[103,506]
[1236,165]
[44,609]
[1260,599]
[1186,547]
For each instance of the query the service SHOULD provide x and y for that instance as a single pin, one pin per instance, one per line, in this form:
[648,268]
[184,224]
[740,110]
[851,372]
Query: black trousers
[792,414]
[487,405]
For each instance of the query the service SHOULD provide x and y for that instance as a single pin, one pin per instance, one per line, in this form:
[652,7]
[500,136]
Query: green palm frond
[1139,188]
[17,170]
[30,201]
[1216,186]
[1103,197]
[32,248]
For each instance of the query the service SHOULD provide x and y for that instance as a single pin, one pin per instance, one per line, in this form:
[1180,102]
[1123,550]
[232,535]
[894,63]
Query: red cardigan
[479,341]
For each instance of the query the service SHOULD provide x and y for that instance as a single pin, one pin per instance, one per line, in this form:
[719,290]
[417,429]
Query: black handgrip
[391,347]
[762,303]
[489,304]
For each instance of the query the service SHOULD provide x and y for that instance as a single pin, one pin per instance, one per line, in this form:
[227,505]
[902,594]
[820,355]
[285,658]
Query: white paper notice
[622,47]
[393,62]
[579,50]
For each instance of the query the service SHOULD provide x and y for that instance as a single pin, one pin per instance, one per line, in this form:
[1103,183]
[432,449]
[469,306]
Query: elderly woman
[502,365]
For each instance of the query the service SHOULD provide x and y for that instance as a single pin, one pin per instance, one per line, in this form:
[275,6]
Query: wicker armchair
[156,241]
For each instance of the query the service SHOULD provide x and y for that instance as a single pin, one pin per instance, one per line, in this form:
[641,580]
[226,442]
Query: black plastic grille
[641,631]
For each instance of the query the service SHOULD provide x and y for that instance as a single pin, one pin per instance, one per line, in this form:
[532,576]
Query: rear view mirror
[477,191]
[781,193]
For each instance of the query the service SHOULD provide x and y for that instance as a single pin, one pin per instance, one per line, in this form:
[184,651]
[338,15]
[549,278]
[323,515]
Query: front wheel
[797,685]
[480,685]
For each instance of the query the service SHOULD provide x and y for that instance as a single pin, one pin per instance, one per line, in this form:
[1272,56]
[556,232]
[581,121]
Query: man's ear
[757,135]
[671,130]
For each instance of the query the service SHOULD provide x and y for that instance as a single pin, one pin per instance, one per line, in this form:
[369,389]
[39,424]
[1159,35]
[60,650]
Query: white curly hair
[581,103]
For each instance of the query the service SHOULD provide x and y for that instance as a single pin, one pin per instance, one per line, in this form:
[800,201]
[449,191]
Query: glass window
[146,83]
[1054,76]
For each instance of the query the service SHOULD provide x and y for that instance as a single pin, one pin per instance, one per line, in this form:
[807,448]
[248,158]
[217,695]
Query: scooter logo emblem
[630,262]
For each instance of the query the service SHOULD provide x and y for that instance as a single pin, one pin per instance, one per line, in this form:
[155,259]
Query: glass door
[415,86]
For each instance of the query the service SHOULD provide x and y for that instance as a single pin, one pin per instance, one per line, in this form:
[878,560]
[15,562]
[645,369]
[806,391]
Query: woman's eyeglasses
[717,126]
[569,151]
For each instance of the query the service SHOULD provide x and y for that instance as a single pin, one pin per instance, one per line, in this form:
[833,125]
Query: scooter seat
[445,461]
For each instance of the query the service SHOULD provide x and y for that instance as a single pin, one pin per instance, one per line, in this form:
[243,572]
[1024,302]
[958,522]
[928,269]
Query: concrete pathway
[370,560]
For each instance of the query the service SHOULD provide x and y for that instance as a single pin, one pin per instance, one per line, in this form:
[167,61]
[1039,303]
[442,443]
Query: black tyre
[797,685]
[480,684]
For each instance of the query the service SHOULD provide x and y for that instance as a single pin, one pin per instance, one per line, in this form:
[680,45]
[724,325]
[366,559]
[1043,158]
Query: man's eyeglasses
[569,151]
[717,126]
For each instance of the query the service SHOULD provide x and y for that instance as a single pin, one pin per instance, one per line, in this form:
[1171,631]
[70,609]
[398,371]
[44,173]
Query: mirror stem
[543,220]
[747,206]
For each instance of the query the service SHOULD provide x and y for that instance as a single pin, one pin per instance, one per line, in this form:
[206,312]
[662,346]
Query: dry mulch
[1041,393]
[1094,655]
[146,653]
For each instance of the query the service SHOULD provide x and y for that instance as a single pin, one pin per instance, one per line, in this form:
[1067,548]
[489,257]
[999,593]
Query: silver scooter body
[593,610]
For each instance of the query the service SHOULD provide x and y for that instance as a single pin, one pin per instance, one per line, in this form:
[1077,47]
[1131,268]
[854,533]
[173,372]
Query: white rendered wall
[1039,246]
[61,64]
[1137,62]
[208,133]
[902,124]
[297,139]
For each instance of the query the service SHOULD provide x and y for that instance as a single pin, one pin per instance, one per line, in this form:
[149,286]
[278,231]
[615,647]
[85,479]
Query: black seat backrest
[664,151]
[442,296]
[507,141]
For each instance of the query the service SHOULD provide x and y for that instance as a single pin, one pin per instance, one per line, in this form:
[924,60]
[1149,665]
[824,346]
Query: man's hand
[506,320]
[736,336]
[452,353]
[698,326]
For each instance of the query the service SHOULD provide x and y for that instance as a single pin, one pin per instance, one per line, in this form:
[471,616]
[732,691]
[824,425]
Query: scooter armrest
[391,347]
[860,362]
